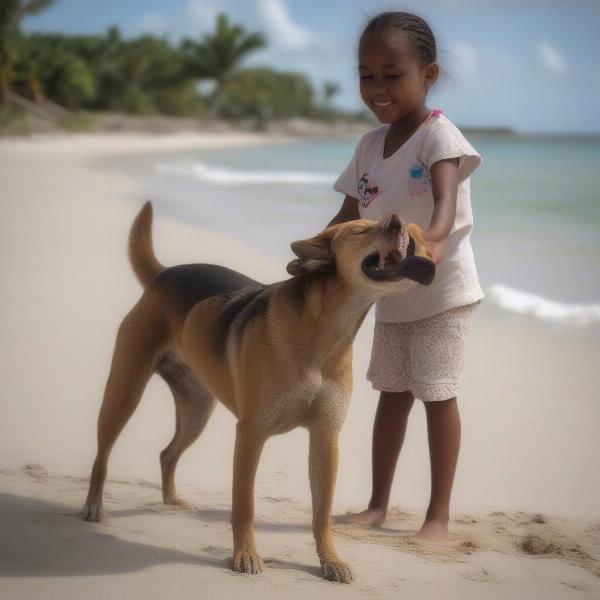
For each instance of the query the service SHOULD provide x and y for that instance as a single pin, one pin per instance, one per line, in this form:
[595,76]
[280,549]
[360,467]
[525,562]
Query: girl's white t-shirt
[401,184]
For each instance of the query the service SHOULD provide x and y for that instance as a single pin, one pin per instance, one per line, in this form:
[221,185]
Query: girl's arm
[348,212]
[444,183]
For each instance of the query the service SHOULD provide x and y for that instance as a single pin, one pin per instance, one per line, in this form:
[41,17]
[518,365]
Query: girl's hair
[418,31]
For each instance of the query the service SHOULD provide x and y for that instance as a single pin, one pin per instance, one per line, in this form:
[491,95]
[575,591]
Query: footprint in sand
[454,550]
[580,587]
[36,472]
[274,499]
[538,518]
[468,546]
[480,576]
[466,520]
[534,544]
[215,552]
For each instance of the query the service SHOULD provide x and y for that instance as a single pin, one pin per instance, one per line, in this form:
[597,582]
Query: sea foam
[221,176]
[533,305]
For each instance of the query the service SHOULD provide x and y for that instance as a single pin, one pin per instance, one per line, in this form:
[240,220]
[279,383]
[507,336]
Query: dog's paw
[92,512]
[336,570]
[247,562]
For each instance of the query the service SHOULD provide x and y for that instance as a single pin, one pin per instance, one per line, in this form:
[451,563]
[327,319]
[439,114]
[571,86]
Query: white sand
[529,405]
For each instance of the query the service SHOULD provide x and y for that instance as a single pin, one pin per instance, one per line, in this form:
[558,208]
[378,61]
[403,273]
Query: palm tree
[218,55]
[11,13]
[330,89]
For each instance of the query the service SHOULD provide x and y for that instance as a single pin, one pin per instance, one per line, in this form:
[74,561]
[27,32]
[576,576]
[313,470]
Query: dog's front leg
[323,463]
[248,447]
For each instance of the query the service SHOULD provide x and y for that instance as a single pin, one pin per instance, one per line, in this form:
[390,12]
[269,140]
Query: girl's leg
[443,430]
[388,435]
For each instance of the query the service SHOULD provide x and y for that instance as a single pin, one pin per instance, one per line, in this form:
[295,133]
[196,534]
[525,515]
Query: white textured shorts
[425,356]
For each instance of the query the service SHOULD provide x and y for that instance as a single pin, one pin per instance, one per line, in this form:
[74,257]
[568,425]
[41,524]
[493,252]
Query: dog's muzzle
[395,259]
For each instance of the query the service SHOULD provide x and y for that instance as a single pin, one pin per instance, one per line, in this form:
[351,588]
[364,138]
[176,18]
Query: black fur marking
[296,289]
[244,297]
[190,284]
[241,307]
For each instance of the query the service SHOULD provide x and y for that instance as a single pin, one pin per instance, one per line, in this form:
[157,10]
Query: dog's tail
[141,254]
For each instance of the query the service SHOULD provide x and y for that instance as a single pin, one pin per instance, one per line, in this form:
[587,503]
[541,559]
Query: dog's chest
[293,404]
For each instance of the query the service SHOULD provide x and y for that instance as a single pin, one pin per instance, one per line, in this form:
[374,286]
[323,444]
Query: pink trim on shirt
[434,113]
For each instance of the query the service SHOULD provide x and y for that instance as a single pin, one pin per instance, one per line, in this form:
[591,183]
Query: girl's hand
[437,248]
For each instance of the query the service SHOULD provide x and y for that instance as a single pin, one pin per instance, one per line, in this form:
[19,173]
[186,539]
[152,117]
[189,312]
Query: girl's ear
[314,254]
[432,72]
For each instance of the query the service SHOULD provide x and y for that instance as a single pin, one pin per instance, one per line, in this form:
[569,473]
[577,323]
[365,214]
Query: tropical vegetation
[148,74]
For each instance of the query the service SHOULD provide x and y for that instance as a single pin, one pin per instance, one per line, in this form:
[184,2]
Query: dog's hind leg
[194,405]
[133,362]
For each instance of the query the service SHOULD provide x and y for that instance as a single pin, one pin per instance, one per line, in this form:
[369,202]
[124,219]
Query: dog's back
[184,286]
[192,282]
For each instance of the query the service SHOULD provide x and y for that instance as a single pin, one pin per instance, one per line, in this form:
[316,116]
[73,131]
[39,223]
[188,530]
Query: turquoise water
[536,206]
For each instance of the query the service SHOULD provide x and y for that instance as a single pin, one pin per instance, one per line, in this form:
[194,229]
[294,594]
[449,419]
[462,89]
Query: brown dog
[277,356]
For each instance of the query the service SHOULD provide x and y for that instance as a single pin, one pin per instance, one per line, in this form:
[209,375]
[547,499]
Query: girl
[417,165]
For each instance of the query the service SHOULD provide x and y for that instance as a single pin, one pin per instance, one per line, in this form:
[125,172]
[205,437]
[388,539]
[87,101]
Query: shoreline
[99,123]
[97,145]
[86,148]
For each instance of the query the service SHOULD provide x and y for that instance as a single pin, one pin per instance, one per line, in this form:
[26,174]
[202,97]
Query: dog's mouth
[387,265]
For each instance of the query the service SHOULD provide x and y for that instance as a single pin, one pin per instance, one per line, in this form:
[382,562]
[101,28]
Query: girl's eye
[363,77]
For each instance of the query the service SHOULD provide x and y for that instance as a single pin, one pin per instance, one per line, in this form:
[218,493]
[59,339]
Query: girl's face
[393,82]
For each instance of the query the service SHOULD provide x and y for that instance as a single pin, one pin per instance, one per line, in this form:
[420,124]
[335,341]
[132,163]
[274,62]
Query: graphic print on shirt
[419,179]
[367,190]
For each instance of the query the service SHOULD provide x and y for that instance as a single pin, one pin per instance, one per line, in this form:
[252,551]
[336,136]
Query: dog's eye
[360,231]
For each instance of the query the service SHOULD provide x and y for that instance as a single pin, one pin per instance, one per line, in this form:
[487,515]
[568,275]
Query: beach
[525,520]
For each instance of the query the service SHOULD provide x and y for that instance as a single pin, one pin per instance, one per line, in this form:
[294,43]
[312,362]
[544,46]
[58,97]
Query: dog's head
[384,256]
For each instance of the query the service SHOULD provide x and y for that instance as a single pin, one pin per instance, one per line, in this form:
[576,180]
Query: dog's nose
[393,224]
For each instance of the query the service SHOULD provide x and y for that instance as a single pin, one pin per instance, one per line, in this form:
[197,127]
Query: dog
[278,356]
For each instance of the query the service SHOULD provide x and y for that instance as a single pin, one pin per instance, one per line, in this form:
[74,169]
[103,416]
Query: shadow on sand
[47,539]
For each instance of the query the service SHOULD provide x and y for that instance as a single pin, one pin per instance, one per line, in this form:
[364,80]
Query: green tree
[264,93]
[11,14]
[330,89]
[218,55]
[55,67]
[75,82]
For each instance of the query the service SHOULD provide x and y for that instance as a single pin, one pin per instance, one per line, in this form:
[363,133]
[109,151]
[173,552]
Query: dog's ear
[312,265]
[314,254]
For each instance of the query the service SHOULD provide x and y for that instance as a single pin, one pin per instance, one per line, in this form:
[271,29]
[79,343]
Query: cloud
[281,28]
[195,18]
[551,57]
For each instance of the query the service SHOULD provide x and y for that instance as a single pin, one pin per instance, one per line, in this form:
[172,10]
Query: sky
[532,65]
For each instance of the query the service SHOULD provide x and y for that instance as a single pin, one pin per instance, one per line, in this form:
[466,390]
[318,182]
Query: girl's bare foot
[372,517]
[434,530]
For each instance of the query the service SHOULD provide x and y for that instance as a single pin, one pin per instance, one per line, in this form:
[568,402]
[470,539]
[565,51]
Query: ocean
[535,200]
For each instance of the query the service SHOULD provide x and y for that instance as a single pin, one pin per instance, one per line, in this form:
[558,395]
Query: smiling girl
[418,165]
